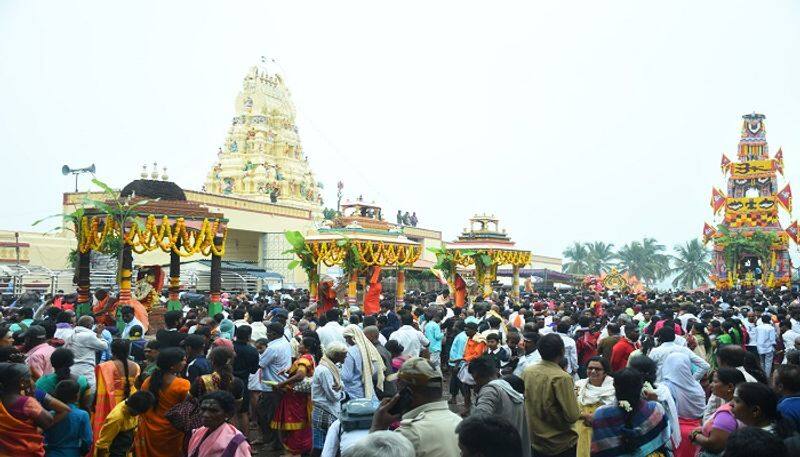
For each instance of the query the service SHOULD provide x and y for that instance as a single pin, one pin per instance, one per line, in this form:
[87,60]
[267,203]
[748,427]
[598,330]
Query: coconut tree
[690,264]
[645,259]
[600,257]
[578,256]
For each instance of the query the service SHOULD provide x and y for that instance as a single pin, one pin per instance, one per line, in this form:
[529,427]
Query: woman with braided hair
[169,389]
[632,426]
[115,381]
[62,360]
[221,378]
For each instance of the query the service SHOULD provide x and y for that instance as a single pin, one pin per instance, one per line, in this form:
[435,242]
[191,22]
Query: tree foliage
[600,257]
[578,256]
[736,243]
[644,259]
[690,264]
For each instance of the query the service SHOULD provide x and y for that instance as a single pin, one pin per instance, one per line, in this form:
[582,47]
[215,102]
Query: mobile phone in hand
[403,402]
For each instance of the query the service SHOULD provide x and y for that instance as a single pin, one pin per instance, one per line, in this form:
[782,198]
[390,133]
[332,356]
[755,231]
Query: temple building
[262,158]
[260,180]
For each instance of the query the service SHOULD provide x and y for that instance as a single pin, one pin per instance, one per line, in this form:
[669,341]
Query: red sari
[293,414]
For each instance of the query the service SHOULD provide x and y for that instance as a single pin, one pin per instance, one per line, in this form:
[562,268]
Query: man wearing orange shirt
[476,346]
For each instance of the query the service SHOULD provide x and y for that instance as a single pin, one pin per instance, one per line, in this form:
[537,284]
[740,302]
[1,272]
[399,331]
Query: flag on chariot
[725,164]
[792,231]
[779,161]
[708,232]
[785,198]
[717,200]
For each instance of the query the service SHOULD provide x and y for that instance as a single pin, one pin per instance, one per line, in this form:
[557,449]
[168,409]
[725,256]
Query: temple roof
[149,188]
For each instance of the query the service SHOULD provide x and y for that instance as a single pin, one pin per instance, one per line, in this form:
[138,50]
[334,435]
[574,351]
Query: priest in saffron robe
[327,296]
[461,291]
[372,299]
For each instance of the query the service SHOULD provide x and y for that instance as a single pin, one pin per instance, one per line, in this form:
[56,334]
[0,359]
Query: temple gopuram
[750,245]
[262,158]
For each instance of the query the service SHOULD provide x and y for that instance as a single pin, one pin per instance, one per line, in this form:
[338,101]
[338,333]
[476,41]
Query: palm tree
[691,264]
[646,260]
[578,257]
[600,257]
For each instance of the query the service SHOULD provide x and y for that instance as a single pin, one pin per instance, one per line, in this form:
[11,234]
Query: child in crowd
[117,434]
[396,351]
[254,385]
[493,349]
[72,436]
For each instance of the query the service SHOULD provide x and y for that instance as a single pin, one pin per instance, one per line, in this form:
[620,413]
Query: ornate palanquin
[485,247]
[750,245]
[158,218]
[359,241]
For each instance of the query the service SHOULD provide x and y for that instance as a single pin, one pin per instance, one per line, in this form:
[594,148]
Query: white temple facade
[262,158]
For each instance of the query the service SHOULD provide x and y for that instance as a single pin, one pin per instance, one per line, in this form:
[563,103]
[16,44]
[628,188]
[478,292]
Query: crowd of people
[558,373]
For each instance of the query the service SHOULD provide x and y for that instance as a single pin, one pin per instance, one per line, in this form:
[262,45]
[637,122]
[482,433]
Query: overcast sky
[597,120]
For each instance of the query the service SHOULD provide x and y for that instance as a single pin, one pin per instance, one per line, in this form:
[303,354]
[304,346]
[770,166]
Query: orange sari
[293,414]
[156,436]
[110,391]
[19,438]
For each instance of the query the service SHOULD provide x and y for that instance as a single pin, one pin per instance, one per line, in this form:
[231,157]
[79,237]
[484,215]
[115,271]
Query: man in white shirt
[410,338]
[570,348]
[529,341]
[795,320]
[789,336]
[84,344]
[238,316]
[686,315]
[750,324]
[331,332]
[659,354]
[765,343]
[256,317]
[130,320]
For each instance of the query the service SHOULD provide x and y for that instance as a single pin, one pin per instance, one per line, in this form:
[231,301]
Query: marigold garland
[152,236]
[370,253]
[499,257]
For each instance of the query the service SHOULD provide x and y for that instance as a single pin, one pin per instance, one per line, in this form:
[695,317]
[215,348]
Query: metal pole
[16,247]
[76,182]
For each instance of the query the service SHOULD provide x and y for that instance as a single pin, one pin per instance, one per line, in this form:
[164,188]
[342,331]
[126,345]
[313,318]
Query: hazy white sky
[596,120]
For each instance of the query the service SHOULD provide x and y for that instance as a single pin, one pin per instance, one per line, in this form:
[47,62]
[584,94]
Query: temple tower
[750,246]
[262,158]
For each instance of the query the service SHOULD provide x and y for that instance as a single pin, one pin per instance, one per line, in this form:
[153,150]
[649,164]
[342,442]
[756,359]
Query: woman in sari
[293,415]
[157,437]
[633,426]
[22,416]
[115,382]
[593,392]
[689,396]
[217,438]
[703,347]
[714,434]
[221,378]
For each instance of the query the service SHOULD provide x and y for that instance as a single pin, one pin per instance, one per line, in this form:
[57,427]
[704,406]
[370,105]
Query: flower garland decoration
[177,238]
[625,405]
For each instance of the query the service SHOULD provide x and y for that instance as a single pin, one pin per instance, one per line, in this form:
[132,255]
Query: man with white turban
[362,363]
